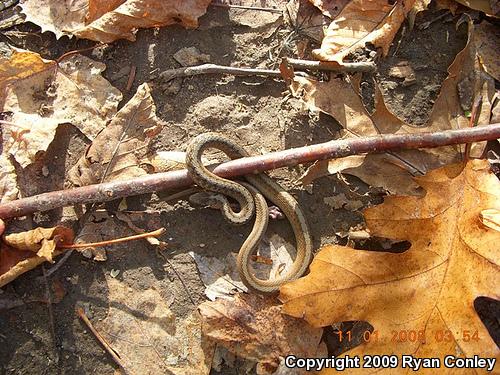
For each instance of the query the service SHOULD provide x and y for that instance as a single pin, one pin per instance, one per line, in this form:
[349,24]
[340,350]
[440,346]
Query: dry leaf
[40,95]
[19,64]
[118,150]
[392,171]
[73,93]
[221,279]
[42,241]
[149,338]
[21,252]
[430,288]
[57,16]
[254,328]
[487,36]
[481,5]
[491,218]
[308,21]
[108,21]
[32,137]
[362,22]
[330,8]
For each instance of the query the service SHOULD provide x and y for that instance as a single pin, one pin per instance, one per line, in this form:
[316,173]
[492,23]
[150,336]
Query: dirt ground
[40,338]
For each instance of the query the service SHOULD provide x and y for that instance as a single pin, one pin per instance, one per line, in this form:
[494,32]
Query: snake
[251,196]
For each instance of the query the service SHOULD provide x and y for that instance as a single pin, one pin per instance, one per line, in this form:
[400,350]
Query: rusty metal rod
[255,164]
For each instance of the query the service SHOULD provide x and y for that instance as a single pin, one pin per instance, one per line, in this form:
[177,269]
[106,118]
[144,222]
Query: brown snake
[250,197]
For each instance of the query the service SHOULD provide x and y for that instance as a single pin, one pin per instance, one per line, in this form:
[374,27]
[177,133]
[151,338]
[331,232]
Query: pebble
[190,56]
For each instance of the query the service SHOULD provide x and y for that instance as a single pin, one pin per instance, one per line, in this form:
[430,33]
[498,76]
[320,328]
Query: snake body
[250,196]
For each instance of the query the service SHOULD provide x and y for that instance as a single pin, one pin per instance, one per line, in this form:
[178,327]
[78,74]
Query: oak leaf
[430,288]
[107,21]
[38,95]
[254,328]
[362,22]
[116,152]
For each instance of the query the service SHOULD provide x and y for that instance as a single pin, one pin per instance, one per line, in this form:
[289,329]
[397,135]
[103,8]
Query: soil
[41,338]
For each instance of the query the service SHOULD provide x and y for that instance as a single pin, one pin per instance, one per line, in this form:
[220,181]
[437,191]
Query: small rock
[172,87]
[202,245]
[190,56]
[405,71]
[120,74]
[45,171]
[113,273]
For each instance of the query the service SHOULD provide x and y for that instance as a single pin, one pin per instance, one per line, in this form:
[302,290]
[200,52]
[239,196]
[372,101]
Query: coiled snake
[250,196]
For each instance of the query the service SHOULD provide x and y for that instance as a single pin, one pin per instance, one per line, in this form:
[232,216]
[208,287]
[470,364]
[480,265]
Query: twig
[131,78]
[48,295]
[177,179]
[221,5]
[189,71]
[155,233]
[333,66]
[170,74]
[59,263]
[101,339]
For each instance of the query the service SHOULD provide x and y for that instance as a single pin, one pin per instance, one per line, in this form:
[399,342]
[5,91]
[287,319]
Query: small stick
[221,5]
[255,164]
[99,338]
[189,71]
[131,78]
[333,66]
[155,233]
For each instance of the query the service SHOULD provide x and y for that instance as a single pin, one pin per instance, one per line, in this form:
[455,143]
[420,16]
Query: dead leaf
[221,279]
[491,218]
[149,338]
[430,288]
[254,328]
[481,5]
[487,37]
[362,22]
[392,171]
[307,20]
[119,149]
[42,241]
[21,252]
[39,97]
[19,64]
[30,136]
[107,21]
[330,8]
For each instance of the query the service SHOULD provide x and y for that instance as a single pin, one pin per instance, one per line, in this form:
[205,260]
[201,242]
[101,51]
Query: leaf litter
[447,231]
